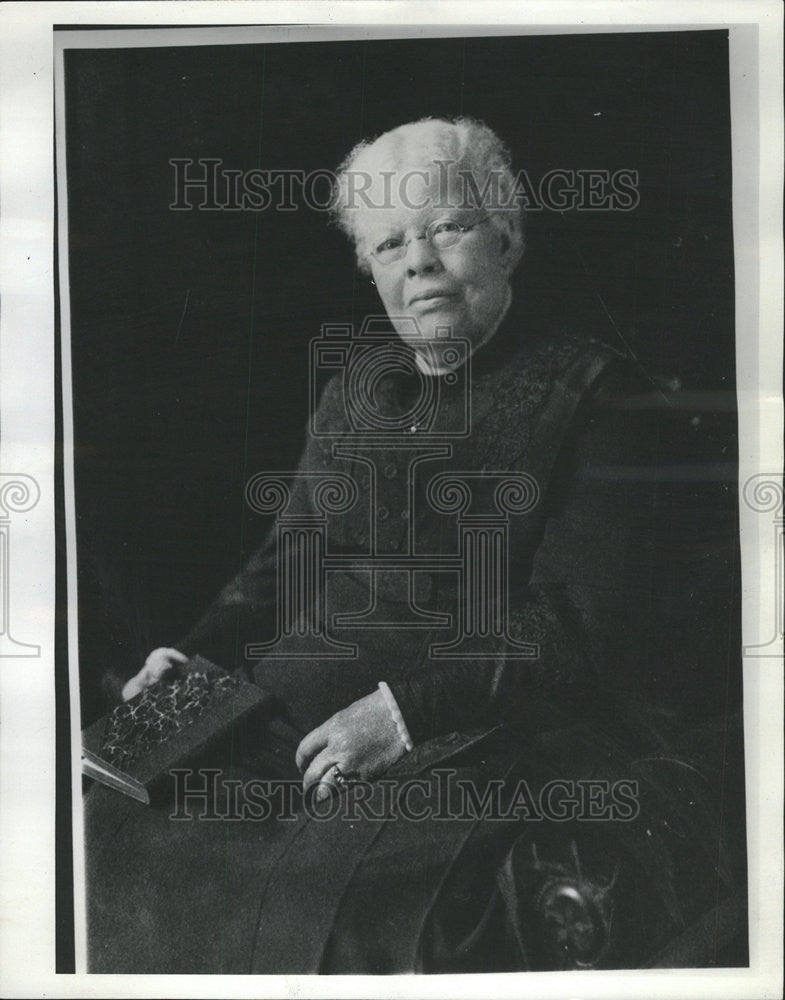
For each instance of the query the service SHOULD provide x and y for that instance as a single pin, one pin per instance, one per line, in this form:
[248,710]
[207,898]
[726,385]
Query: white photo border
[30,53]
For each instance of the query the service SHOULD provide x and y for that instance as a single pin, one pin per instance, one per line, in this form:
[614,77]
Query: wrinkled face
[464,287]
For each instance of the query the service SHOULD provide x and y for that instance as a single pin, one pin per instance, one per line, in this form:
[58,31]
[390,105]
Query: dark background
[190,330]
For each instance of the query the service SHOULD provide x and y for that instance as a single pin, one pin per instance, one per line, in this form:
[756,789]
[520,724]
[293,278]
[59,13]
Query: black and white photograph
[402,615]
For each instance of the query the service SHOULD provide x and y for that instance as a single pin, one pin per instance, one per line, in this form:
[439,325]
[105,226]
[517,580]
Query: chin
[441,328]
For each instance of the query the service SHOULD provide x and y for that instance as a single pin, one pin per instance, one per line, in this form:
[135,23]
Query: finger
[166,657]
[153,673]
[144,679]
[328,785]
[175,655]
[318,768]
[132,688]
[309,746]
[154,670]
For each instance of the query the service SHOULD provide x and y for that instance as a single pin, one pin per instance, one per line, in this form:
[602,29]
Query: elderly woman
[459,654]
[430,207]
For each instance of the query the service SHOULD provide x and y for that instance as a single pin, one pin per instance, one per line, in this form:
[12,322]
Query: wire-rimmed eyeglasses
[441,234]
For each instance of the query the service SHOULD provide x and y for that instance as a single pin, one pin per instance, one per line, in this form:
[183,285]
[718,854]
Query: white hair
[471,148]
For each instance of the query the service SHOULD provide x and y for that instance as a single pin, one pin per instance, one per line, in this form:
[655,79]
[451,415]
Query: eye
[391,243]
[446,227]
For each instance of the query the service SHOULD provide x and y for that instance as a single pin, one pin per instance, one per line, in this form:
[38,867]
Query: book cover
[133,747]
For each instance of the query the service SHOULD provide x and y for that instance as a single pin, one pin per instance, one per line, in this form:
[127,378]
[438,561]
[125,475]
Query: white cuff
[395,712]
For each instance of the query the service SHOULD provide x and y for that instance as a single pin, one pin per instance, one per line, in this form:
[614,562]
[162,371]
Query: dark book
[134,747]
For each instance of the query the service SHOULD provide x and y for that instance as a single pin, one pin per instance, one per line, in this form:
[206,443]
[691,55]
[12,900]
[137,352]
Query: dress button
[390,470]
[383,513]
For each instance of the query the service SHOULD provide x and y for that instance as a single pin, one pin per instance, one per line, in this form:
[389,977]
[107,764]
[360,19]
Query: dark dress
[545,411]
[498,567]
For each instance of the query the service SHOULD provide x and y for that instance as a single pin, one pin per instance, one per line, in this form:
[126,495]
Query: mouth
[434,297]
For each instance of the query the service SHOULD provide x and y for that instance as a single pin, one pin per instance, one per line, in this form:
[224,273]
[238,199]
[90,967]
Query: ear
[509,255]
[512,248]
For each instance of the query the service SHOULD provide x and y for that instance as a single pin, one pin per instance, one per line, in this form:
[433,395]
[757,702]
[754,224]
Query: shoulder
[630,419]
[565,363]
[330,416]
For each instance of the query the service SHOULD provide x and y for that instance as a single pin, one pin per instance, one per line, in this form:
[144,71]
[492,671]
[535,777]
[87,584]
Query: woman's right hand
[158,663]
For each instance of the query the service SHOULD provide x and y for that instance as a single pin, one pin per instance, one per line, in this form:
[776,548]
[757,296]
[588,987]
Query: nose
[421,257]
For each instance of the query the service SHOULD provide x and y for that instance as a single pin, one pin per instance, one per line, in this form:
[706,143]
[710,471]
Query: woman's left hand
[362,740]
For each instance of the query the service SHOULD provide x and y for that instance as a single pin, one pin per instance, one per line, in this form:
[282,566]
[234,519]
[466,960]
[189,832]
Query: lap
[198,884]
[370,884]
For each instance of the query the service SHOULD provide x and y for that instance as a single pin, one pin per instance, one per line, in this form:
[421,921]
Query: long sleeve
[245,609]
[591,577]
